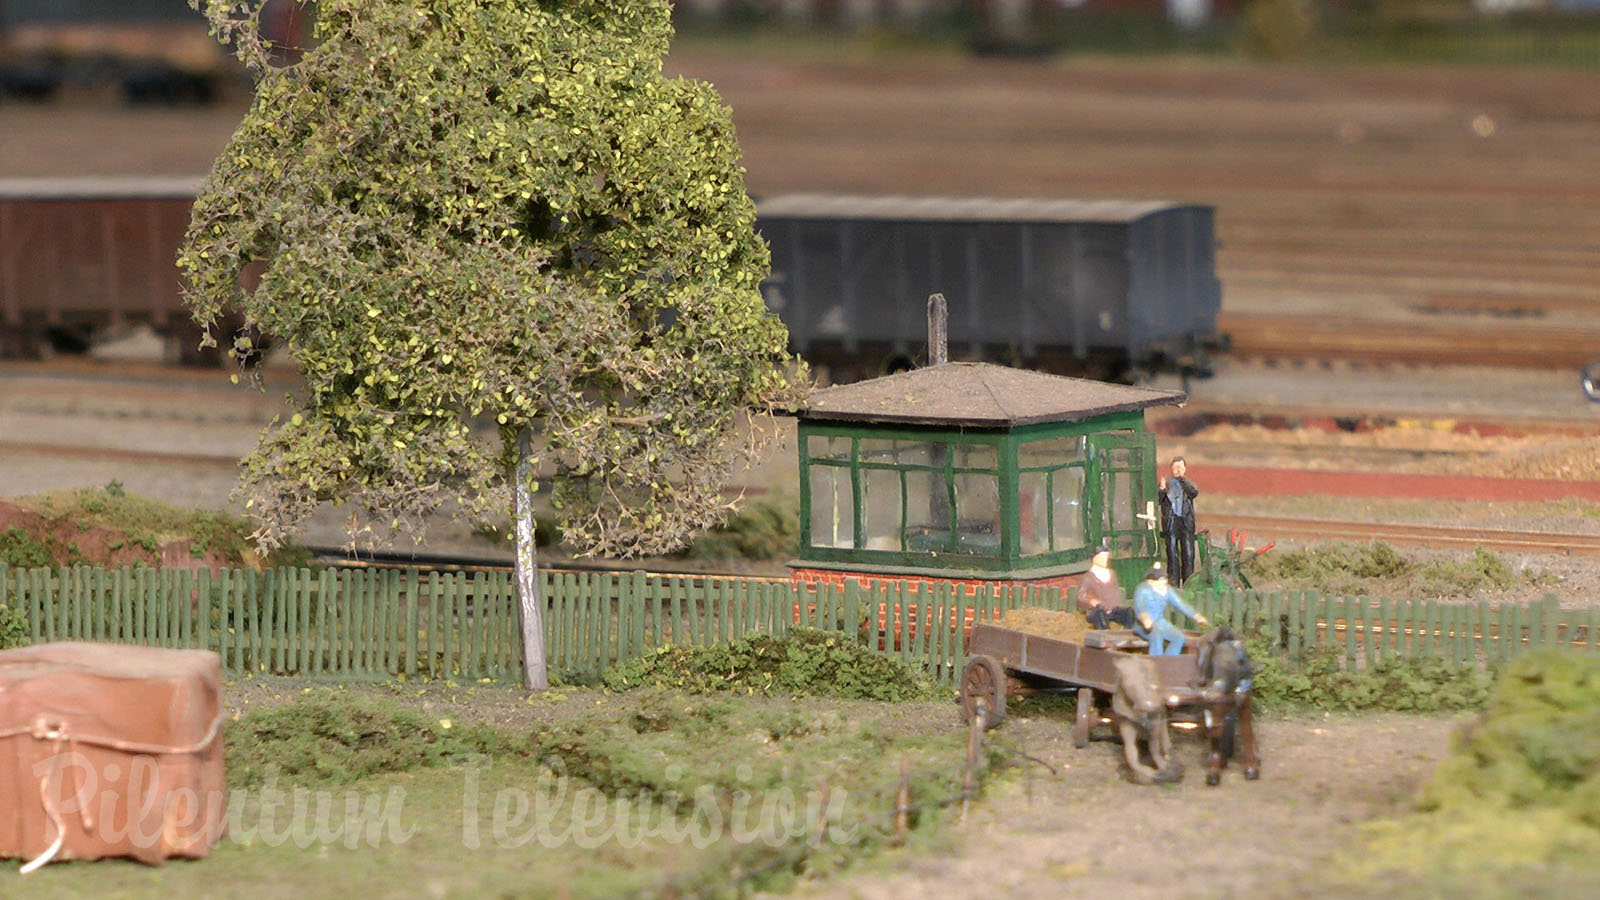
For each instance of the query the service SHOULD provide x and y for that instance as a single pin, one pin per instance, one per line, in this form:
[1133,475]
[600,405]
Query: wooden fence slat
[588,624]
[349,617]
[409,619]
[236,607]
[327,604]
[38,629]
[367,590]
[473,666]
[1485,649]
[1297,601]
[94,586]
[503,592]
[1367,648]
[570,636]
[643,590]
[72,597]
[658,594]
[608,612]
[622,630]
[302,604]
[167,622]
[925,607]
[374,622]
[184,613]
[598,609]
[725,610]
[679,621]
[582,643]
[350,584]
[382,601]
[454,619]
[201,610]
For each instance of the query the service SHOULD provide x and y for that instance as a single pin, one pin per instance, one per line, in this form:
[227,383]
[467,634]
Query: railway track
[1263,527]
[1266,528]
[443,562]
[1377,341]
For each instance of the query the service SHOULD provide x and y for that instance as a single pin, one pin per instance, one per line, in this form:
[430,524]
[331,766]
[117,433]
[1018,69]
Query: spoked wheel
[1591,382]
[1085,718]
[985,680]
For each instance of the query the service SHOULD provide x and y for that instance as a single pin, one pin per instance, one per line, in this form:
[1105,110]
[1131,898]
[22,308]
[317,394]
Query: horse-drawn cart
[1210,679]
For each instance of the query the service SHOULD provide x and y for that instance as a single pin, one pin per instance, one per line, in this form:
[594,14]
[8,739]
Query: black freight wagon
[1109,289]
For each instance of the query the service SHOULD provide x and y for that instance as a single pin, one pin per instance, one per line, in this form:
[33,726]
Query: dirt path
[1085,832]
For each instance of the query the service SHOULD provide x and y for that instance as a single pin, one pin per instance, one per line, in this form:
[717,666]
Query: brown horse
[1224,677]
[1140,711]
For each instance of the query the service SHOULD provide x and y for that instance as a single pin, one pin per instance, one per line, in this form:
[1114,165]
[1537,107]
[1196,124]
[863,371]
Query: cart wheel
[1085,718]
[984,679]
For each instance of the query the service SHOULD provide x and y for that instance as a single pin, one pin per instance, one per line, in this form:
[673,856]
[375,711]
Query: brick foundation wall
[804,575]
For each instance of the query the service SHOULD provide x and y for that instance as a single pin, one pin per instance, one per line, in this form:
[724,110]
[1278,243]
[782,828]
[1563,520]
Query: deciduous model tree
[497,241]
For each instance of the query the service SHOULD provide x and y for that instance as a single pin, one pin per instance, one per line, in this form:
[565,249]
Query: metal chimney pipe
[938,330]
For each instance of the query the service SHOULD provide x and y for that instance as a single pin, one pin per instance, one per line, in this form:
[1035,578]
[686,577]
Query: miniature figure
[1150,604]
[1100,596]
[1140,712]
[1177,521]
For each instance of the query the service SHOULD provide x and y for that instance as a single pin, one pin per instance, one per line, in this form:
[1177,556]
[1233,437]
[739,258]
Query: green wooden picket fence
[1362,631]
[380,624]
[374,624]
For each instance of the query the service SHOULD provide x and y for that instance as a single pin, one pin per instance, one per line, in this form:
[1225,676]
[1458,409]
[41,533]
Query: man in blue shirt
[1150,604]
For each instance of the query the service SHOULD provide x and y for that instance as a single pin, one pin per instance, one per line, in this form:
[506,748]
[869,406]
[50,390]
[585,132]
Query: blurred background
[1406,200]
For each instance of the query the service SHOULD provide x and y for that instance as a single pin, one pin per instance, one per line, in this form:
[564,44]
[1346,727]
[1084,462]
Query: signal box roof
[960,209]
[980,395]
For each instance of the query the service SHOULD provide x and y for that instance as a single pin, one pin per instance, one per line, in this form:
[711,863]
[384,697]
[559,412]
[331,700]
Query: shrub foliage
[803,662]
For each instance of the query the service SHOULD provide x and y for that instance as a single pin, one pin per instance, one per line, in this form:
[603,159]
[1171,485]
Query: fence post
[1552,620]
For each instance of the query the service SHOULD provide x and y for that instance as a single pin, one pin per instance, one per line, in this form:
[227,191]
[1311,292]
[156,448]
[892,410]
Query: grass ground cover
[652,793]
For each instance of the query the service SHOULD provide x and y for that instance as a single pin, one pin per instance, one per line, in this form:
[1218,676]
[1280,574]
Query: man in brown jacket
[1100,596]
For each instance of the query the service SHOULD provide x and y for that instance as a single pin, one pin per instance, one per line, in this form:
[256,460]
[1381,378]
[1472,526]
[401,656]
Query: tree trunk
[531,606]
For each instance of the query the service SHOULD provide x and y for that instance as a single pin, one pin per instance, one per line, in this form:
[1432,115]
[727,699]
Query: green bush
[1392,684]
[1279,29]
[18,549]
[1537,744]
[1483,570]
[13,628]
[1377,568]
[142,522]
[1515,808]
[803,662]
[332,739]
[768,529]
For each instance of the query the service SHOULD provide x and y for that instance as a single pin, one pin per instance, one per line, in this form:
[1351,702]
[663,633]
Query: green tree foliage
[474,218]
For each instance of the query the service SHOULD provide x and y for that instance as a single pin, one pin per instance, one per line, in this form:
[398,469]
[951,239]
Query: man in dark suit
[1177,521]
